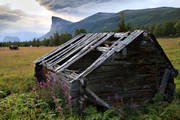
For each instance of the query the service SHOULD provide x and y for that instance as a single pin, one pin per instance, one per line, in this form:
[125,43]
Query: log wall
[135,75]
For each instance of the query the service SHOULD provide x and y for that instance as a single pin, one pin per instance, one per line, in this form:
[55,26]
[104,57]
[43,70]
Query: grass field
[17,68]
[17,81]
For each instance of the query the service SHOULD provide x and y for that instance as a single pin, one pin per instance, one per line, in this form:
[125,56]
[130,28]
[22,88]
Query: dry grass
[17,68]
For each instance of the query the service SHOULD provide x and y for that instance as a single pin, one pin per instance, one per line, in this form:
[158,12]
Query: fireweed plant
[59,99]
[51,92]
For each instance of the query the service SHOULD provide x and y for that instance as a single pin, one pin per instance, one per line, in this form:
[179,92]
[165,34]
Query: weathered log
[164,81]
[81,53]
[58,49]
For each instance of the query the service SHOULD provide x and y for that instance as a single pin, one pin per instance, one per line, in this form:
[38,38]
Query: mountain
[11,39]
[58,25]
[23,36]
[100,22]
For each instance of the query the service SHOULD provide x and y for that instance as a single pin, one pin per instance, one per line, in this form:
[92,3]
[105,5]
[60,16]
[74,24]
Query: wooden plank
[69,48]
[80,46]
[118,35]
[128,40]
[84,51]
[88,43]
[164,81]
[59,48]
[98,99]
[117,46]
[102,49]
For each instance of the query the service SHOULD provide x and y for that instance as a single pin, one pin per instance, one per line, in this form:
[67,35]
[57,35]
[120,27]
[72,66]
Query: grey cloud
[60,4]
[6,14]
[9,17]
[83,8]
[17,20]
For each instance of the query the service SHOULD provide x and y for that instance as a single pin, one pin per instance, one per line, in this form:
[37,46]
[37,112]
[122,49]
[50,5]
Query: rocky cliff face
[58,25]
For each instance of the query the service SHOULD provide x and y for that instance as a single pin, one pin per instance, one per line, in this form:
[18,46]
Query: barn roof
[71,51]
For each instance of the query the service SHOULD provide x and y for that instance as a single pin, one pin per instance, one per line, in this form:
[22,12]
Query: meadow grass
[17,81]
[17,68]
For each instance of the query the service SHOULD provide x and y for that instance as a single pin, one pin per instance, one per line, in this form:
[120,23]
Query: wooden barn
[106,69]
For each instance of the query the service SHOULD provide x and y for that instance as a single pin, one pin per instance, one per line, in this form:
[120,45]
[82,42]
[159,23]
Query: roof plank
[78,47]
[84,51]
[59,48]
[116,47]
[69,48]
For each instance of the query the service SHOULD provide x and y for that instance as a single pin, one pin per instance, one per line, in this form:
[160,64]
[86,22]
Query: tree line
[54,40]
[168,29]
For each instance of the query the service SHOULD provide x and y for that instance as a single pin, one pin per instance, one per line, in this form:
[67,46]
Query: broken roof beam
[79,47]
[118,35]
[83,52]
[69,49]
[102,49]
[59,48]
[116,47]
[128,40]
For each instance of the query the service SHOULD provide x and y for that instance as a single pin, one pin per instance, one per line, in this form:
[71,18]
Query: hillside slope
[100,22]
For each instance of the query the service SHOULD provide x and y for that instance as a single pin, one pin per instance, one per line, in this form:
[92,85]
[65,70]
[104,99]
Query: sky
[35,15]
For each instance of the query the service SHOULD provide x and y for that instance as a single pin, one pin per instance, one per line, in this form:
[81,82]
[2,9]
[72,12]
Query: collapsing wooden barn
[108,68]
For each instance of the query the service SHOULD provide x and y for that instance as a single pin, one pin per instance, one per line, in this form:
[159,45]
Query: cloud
[79,9]
[8,15]
[60,4]
[17,20]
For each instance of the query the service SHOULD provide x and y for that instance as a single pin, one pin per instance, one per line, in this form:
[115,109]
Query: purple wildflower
[54,74]
[116,95]
[48,81]
[70,97]
[59,108]
[127,105]
[40,84]
[65,85]
[53,97]
[121,99]
[70,100]
[46,75]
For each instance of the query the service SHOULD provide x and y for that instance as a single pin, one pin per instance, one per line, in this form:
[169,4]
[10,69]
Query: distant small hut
[107,68]
[13,47]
